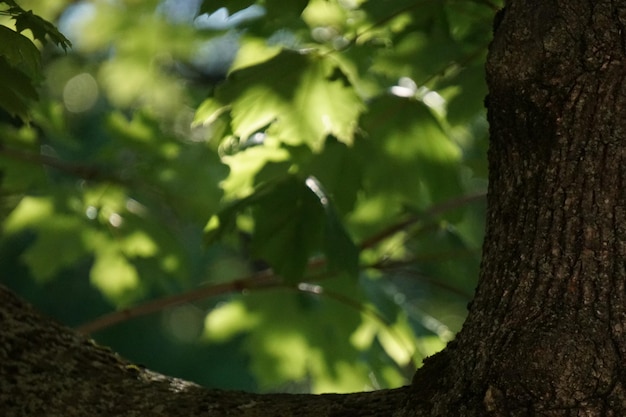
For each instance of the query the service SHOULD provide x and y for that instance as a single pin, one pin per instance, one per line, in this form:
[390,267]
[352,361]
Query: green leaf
[340,251]
[302,97]
[288,222]
[20,66]
[11,98]
[404,137]
[20,53]
[189,175]
[58,243]
[399,61]
[114,275]
[22,83]
[339,169]
[280,351]
[294,220]
[384,18]
[18,176]
[192,180]
[471,91]
[41,28]
[470,22]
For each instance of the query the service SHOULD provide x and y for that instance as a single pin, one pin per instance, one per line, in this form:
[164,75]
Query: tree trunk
[546,332]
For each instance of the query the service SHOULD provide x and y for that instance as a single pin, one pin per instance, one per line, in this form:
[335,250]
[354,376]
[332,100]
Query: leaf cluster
[336,147]
[20,60]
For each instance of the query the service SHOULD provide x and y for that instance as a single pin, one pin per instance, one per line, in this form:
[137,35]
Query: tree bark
[545,335]
[49,370]
[546,332]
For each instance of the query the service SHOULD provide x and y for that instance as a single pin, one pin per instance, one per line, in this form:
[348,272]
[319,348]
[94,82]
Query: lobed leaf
[302,97]
[293,220]
[41,28]
[404,136]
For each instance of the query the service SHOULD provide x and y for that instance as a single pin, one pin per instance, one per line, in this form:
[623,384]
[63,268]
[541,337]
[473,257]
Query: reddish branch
[268,279]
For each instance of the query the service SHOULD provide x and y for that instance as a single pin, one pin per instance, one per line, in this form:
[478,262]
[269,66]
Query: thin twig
[318,290]
[81,171]
[435,210]
[262,280]
[258,280]
[404,267]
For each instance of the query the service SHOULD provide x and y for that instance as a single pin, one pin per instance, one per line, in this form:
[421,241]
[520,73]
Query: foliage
[19,59]
[179,144]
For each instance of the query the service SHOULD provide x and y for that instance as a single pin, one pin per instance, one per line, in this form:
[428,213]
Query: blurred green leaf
[281,352]
[114,275]
[469,98]
[47,256]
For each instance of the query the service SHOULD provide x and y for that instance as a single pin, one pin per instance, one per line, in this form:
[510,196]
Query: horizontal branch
[48,369]
[78,170]
[432,211]
[263,279]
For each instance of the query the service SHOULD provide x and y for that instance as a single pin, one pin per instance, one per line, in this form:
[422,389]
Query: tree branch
[77,170]
[432,211]
[263,279]
[49,370]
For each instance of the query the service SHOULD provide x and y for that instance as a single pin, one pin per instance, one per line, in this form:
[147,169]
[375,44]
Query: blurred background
[308,177]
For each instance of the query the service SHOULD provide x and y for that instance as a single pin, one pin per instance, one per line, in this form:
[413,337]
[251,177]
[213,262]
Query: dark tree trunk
[546,334]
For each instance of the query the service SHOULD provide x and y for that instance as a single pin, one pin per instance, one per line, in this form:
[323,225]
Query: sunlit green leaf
[228,319]
[114,275]
[306,98]
[246,165]
[403,136]
[323,350]
[58,241]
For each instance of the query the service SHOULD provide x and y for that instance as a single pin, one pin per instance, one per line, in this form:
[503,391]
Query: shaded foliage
[180,146]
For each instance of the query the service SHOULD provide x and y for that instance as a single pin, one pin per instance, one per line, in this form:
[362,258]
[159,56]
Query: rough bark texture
[49,370]
[546,334]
